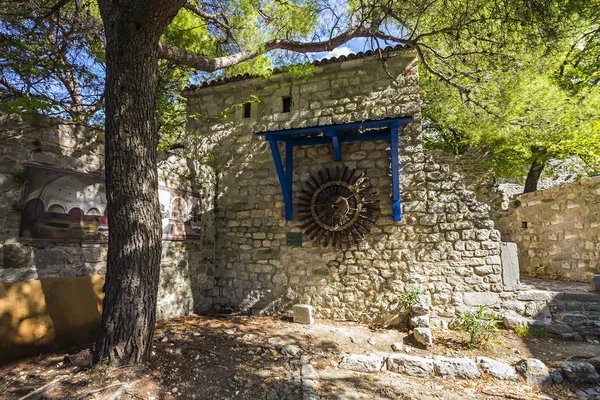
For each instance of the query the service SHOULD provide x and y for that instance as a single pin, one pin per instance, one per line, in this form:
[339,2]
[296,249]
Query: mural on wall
[180,213]
[67,206]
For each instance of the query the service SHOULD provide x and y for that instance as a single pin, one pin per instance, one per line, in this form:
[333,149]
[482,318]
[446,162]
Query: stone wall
[478,179]
[557,230]
[186,279]
[445,243]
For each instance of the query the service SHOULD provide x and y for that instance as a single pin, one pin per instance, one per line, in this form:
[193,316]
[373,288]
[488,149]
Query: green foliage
[208,160]
[531,118]
[396,302]
[481,325]
[52,58]
[528,332]
[411,296]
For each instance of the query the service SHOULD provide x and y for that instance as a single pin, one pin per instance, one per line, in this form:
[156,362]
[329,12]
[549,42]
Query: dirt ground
[239,357]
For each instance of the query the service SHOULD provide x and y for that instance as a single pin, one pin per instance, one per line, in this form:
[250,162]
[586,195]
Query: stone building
[444,242]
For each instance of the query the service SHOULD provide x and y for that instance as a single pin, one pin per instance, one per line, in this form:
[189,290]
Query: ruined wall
[480,180]
[557,230]
[35,316]
[445,243]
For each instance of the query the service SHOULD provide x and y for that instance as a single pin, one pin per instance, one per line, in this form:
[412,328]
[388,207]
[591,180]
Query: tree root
[41,389]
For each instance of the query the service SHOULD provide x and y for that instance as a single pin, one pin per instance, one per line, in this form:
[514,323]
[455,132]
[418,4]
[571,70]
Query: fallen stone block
[456,368]
[423,336]
[410,365]
[534,371]
[303,314]
[497,369]
[363,362]
[290,350]
[420,321]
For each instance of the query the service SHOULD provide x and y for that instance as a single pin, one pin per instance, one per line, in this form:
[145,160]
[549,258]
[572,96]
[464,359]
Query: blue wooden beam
[337,145]
[287,190]
[289,166]
[355,126]
[394,138]
[349,137]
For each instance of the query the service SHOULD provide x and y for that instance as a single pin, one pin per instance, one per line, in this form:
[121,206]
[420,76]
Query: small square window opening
[247,110]
[287,104]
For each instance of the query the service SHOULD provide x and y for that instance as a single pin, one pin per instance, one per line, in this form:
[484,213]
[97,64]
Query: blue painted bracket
[336,135]
[394,138]
[284,175]
[337,144]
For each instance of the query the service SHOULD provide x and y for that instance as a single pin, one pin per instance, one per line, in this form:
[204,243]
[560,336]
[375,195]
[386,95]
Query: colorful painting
[67,206]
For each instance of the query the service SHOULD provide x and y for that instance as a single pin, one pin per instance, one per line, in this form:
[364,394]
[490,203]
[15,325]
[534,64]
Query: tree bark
[133,29]
[533,176]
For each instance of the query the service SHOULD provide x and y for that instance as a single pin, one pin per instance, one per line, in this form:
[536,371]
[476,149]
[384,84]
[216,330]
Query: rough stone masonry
[445,243]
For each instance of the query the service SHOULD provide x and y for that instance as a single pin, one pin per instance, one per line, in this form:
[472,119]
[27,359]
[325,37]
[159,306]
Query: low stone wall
[557,230]
[445,243]
[28,312]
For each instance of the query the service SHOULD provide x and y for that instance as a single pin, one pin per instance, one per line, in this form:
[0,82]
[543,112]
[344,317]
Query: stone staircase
[572,314]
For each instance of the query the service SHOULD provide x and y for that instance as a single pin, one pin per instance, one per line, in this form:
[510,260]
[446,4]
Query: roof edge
[282,70]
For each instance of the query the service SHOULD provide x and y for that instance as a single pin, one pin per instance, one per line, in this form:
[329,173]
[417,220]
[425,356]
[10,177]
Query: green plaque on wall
[294,239]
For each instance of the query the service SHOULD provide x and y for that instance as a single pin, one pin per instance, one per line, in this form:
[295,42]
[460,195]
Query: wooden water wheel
[337,207]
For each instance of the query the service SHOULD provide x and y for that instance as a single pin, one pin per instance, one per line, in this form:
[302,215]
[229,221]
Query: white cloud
[338,51]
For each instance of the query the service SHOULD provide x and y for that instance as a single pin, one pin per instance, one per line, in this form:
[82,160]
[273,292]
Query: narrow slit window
[247,110]
[287,104]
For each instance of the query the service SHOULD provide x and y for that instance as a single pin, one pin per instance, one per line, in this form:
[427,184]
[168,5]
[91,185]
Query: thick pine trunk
[132,30]
[535,171]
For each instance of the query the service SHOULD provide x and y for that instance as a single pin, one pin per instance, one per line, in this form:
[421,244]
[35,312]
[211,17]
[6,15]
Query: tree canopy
[543,106]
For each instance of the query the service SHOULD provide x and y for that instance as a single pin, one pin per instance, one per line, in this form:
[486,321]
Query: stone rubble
[409,365]
[534,371]
[497,369]
[363,362]
[456,368]
[531,369]
[423,336]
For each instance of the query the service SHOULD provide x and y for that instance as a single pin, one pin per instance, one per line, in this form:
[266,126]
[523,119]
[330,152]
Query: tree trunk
[533,176]
[132,30]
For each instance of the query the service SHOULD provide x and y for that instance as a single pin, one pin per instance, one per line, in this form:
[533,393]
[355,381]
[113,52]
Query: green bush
[481,325]
[394,304]
[403,301]
[528,332]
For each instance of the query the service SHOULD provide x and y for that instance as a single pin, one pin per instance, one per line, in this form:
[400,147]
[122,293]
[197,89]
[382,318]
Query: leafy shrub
[481,325]
[529,331]
[395,304]
[403,301]
[411,297]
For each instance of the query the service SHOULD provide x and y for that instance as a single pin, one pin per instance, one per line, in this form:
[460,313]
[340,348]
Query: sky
[352,46]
